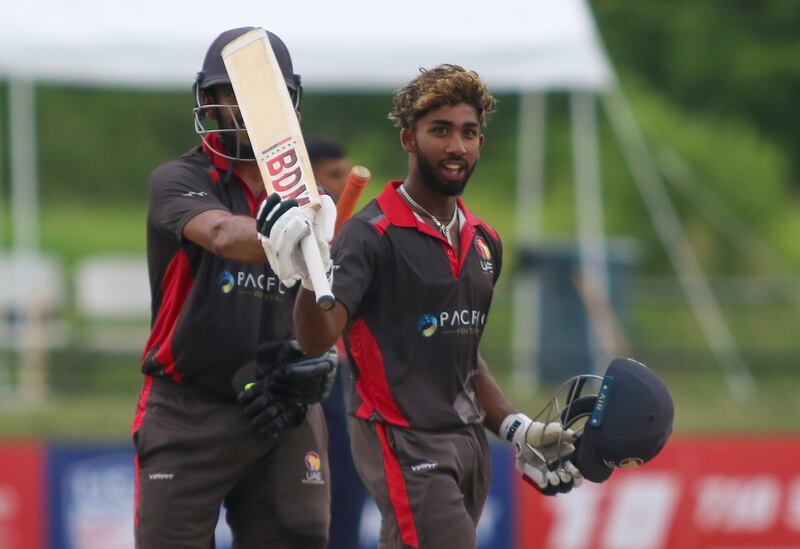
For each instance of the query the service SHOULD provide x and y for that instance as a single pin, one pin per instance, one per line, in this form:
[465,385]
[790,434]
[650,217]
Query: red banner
[700,492]
[22,503]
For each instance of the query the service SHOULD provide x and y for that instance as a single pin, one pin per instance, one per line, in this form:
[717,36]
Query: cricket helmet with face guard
[621,419]
[213,74]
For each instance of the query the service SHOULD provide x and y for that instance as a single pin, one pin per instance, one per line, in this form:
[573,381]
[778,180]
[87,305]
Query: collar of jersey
[399,212]
[220,162]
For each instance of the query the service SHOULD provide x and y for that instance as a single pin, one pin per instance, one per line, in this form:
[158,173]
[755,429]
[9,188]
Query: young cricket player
[413,278]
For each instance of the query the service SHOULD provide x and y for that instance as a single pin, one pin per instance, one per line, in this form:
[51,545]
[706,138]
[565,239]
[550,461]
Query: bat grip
[316,272]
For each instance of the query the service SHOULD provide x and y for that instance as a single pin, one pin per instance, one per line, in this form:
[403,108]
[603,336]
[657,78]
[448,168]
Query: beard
[233,146]
[440,185]
[231,141]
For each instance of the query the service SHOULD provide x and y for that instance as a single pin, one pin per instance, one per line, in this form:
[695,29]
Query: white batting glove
[282,225]
[550,483]
[539,449]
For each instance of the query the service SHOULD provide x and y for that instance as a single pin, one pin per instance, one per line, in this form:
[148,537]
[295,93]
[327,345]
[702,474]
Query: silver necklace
[444,229]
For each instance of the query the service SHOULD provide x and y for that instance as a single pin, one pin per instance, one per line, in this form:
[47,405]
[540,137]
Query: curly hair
[443,85]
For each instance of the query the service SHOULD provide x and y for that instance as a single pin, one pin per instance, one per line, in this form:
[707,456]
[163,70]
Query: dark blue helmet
[214,72]
[627,422]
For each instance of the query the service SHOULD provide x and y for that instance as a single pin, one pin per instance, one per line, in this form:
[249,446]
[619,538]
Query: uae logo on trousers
[313,469]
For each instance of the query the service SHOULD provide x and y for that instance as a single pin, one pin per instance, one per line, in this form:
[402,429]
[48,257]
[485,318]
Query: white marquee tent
[346,44]
[525,46]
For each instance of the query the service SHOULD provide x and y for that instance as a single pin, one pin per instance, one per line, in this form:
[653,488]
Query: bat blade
[270,118]
[274,133]
[357,179]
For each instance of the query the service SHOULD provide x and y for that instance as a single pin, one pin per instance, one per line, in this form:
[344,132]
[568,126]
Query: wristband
[511,424]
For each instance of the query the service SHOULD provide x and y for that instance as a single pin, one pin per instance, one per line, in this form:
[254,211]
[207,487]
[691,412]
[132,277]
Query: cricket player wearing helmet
[228,414]
[414,273]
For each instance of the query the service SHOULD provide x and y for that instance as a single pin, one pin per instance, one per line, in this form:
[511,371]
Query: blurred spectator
[329,162]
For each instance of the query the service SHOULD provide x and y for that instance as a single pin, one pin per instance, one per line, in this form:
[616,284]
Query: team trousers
[430,486]
[195,453]
[347,491]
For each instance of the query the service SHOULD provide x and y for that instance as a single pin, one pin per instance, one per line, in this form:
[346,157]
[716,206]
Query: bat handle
[316,272]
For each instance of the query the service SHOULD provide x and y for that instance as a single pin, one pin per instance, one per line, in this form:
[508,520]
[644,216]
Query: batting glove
[269,415]
[550,483]
[541,452]
[295,377]
[282,224]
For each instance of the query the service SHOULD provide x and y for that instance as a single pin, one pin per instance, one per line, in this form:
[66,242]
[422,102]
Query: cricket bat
[274,132]
[357,179]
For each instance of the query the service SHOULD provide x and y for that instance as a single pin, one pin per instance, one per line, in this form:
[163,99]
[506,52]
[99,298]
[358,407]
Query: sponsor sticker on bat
[286,171]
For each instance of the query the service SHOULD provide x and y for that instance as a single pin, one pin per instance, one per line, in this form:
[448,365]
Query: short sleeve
[492,240]
[358,256]
[179,193]
[499,254]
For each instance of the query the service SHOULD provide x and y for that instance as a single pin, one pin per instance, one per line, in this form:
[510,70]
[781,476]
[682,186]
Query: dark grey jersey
[208,313]
[417,313]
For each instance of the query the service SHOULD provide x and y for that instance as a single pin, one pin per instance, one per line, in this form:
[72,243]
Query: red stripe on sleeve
[175,286]
[397,491]
[372,384]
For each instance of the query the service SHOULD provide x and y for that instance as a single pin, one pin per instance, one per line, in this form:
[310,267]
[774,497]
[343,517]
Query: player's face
[331,173]
[446,143]
[228,116]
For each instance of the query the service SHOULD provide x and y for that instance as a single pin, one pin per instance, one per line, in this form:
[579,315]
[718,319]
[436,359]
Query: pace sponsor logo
[313,469]
[226,281]
[462,321]
[427,325]
[457,321]
[263,286]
